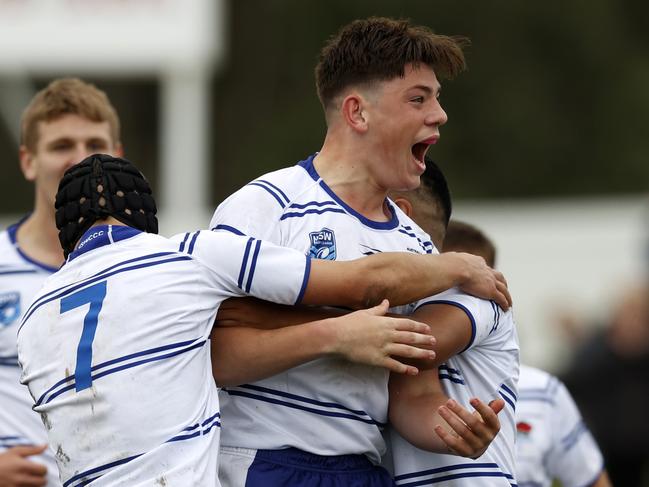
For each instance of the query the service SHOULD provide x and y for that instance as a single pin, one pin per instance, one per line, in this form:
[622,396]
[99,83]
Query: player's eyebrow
[427,89]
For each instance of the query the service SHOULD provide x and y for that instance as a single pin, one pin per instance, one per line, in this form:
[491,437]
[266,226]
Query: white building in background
[561,256]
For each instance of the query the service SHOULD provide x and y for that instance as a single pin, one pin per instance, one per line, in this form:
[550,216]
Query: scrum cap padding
[98,187]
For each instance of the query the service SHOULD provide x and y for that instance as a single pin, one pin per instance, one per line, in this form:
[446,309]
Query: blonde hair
[67,96]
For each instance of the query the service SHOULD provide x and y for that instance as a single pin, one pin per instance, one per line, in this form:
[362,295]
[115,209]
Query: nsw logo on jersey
[323,244]
[9,308]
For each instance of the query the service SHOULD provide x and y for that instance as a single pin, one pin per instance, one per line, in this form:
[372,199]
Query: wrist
[456,268]
[324,335]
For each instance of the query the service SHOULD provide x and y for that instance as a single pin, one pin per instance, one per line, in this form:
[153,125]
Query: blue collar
[101,235]
[12,231]
[391,224]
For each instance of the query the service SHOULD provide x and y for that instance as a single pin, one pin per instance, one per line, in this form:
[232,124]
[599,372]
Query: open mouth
[420,148]
[419,151]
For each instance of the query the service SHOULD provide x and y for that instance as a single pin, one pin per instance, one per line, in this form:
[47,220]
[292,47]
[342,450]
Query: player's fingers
[28,450]
[409,351]
[31,481]
[413,338]
[404,324]
[452,442]
[473,422]
[461,429]
[500,277]
[399,367]
[33,469]
[504,290]
[380,309]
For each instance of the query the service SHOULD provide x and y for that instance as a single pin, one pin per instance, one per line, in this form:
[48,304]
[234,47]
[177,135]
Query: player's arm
[420,410]
[423,414]
[17,471]
[243,354]
[603,480]
[402,278]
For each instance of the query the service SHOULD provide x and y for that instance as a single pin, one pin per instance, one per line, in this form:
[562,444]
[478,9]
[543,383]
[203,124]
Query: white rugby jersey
[20,279]
[487,369]
[116,355]
[328,406]
[553,441]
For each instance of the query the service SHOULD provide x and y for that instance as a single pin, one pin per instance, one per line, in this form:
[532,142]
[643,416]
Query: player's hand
[369,337]
[473,432]
[483,281]
[17,471]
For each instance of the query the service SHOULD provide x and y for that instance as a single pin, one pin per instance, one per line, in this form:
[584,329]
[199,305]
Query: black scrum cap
[98,187]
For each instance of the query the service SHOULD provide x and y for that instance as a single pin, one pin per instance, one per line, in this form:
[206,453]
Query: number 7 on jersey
[93,295]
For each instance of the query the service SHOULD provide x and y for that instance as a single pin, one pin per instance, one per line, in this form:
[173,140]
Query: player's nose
[437,115]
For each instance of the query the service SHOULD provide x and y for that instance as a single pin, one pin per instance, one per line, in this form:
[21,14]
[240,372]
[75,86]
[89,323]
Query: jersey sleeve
[484,315]
[253,210]
[575,458]
[243,265]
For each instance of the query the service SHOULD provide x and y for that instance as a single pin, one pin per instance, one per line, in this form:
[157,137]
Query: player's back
[125,365]
[487,368]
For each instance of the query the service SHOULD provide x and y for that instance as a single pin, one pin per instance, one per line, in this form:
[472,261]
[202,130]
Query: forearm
[242,354]
[415,419]
[404,278]
[254,313]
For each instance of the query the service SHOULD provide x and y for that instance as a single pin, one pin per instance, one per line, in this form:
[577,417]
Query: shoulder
[408,227]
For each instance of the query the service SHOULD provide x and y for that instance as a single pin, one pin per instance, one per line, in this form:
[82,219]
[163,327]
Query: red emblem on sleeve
[523,427]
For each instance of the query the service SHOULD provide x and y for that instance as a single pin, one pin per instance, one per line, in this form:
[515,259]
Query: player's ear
[353,112]
[404,205]
[27,163]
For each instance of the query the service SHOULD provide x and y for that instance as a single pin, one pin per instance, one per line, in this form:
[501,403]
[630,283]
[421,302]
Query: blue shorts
[296,468]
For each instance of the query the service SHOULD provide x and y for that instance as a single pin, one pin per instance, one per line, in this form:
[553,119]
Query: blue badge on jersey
[9,308]
[323,244]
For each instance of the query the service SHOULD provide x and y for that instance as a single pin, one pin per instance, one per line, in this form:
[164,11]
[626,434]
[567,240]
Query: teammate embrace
[122,355]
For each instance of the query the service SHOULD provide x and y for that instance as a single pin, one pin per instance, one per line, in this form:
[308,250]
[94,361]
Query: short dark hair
[464,237]
[378,49]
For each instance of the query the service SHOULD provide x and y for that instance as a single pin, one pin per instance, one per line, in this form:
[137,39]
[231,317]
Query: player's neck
[38,237]
[349,177]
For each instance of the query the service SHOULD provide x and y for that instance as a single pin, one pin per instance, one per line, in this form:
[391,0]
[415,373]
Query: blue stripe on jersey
[201,429]
[192,243]
[18,271]
[228,228]
[535,398]
[253,265]
[180,348]
[270,191]
[311,211]
[305,280]
[509,391]
[9,361]
[357,415]
[92,280]
[451,378]
[307,165]
[449,373]
[11,441]
[84,478]
[496,472]
[244,263]
[182,244]
[12,231]
[275,188]
[99,274]
[571,438]
[507,394]
[463,308]
[312,203]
